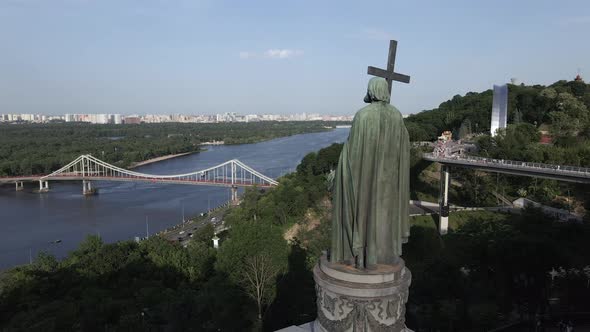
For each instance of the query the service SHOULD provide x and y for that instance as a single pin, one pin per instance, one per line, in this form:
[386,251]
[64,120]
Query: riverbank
[171,156]
[124,210]
[157,159]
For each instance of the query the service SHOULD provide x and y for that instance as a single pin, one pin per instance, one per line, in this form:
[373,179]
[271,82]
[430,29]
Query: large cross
[389,74]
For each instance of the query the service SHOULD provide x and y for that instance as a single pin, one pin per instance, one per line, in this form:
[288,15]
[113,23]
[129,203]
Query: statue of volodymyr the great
[371,185]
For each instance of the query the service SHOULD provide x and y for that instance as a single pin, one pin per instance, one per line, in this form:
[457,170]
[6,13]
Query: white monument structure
[499,108]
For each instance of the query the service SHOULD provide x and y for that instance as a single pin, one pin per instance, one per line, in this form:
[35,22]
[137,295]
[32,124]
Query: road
[182,232]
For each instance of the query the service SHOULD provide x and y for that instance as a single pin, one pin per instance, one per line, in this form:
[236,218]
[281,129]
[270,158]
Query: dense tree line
[490,269]
[41,148]
[151,286]
[157,285]
[562,108]
[493,269]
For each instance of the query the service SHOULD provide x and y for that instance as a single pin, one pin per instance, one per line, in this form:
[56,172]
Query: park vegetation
[41,148]
[491,269]
[560,109]
[559,112]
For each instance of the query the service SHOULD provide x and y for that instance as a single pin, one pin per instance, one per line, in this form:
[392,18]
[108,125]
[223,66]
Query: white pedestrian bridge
[513,167]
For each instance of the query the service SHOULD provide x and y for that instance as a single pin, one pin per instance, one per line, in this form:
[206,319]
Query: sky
[255,57]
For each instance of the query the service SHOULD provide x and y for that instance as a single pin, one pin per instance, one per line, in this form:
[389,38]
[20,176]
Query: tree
[45,262]
[465,129]
[289,199]
[260,275]
[204,234]
[255,249]
[517,117]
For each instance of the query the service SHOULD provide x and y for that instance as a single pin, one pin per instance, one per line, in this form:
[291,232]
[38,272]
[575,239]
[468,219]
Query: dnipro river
[31,222]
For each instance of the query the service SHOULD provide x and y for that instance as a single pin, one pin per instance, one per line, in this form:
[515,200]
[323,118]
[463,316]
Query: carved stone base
[361,301]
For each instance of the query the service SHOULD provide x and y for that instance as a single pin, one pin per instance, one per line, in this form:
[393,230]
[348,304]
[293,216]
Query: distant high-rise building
[101,119]
[132,120]
[499,108]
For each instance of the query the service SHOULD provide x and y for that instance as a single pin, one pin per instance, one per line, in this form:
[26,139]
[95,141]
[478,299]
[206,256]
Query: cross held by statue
[389,74]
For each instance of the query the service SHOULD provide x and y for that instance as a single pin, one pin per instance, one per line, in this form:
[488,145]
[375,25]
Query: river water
[30,222]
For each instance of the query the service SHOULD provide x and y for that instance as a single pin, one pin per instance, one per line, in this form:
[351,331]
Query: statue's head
[378,90]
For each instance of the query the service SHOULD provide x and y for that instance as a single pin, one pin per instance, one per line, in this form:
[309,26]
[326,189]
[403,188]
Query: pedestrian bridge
[512,167]
[86,168]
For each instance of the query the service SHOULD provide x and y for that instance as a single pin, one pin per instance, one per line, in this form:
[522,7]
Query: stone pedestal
[361,301]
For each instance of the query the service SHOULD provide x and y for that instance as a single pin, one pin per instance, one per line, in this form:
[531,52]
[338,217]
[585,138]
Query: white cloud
[282,53]
[273,53]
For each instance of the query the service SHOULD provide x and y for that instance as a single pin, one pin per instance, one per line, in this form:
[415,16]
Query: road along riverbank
[31,222]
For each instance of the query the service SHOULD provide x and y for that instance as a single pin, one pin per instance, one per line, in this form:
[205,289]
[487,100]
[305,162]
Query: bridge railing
[513,163]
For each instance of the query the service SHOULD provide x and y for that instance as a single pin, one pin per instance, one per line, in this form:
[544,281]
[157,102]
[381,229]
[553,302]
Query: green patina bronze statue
[371,185]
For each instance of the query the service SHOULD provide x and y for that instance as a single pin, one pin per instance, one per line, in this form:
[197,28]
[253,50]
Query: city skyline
[73,56]
[109,118]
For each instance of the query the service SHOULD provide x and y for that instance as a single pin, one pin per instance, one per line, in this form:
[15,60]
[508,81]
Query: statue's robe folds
[371,188]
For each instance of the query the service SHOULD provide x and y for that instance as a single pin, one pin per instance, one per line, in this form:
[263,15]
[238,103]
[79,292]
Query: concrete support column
[19,185]
[445,179]
[87,188]
[234,195]
[43,186]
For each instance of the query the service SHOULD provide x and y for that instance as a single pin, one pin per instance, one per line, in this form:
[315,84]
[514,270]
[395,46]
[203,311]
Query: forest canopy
[40,148]
[563,107]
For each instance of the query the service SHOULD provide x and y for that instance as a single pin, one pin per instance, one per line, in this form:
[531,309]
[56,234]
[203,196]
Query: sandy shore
[155,160]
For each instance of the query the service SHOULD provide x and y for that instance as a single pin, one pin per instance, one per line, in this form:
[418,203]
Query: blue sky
[195,57]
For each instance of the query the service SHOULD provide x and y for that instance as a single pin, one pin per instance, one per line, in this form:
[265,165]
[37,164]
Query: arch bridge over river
[31,222]
[86,168]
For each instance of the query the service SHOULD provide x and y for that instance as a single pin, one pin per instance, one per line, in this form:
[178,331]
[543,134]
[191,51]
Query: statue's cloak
[371,188]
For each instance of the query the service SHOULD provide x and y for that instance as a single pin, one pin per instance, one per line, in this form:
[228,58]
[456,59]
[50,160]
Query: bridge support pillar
[87,188]
[43,186]
[19,185]
[445,179]
[234,195]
